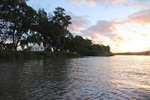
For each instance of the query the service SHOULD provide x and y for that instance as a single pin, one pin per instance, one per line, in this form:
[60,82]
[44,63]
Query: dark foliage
[20,24]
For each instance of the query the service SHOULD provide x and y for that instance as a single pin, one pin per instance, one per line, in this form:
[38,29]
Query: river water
[118,77]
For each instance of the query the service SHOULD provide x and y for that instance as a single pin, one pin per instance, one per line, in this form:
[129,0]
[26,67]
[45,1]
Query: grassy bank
[8,54]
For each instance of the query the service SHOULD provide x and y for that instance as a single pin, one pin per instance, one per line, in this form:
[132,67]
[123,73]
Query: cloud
[132,3]
[117,32]
[143,34]
[102,30]
[116,38]
[78,22]
[141,17]
[101,27]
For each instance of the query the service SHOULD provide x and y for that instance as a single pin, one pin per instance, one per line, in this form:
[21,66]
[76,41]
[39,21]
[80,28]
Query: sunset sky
[124,25]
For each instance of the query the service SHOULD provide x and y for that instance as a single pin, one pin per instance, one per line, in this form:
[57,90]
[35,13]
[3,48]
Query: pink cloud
[103,29]
[142,17]
[78,22]
[133,3]
[116,38]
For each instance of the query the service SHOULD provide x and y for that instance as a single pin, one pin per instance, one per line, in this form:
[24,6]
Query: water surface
[118,77]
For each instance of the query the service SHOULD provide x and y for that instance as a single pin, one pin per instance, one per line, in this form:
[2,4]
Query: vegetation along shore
[22,26]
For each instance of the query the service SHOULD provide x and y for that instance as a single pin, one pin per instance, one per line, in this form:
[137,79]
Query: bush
[9,54]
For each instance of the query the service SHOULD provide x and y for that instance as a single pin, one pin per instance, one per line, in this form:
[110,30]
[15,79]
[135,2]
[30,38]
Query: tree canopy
[20,25]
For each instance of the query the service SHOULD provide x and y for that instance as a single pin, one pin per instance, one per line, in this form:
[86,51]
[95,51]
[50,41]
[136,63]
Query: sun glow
[136,37]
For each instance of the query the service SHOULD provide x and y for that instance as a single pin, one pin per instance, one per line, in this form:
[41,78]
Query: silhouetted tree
[17,19]
[61,22]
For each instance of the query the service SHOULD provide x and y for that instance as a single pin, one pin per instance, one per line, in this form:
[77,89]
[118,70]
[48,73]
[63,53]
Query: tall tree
[19,18]
[45,28]
[61,22]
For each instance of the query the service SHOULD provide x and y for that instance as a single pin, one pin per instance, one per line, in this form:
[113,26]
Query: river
[117,77]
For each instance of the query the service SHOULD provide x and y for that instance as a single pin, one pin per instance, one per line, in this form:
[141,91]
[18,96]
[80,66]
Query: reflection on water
[118,77]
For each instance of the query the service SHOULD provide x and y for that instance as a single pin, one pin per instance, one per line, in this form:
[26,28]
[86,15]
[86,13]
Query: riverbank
[9,54]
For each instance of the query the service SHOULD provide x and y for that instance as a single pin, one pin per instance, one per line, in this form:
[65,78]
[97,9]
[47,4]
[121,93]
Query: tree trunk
[57,43]
[16,45]
[14,39]
[63,45]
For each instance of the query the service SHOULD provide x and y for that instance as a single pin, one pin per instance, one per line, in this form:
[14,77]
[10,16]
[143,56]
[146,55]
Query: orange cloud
[78,22]
[112,27]
[103,30]
[76,27]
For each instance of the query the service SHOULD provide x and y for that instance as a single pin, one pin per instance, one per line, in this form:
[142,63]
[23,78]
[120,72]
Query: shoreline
[9,54]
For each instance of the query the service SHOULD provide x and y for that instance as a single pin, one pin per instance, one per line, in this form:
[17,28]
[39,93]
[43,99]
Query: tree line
[20,25]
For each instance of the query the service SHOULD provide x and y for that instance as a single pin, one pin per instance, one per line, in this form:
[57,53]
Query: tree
[45,29]
[17,19]
[69,43]
[61,22]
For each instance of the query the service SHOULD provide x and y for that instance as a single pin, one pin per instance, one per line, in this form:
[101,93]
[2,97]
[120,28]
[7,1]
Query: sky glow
[124,25]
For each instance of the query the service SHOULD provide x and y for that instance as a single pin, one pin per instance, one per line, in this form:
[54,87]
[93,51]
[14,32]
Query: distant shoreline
[134,53]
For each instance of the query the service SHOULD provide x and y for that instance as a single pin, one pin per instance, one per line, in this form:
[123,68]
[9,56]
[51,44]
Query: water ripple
[99,78]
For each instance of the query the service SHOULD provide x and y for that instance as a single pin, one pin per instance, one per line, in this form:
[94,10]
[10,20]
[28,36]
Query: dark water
[118,77]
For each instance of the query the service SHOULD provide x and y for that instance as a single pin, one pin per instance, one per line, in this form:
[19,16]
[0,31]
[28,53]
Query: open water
[117,77]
